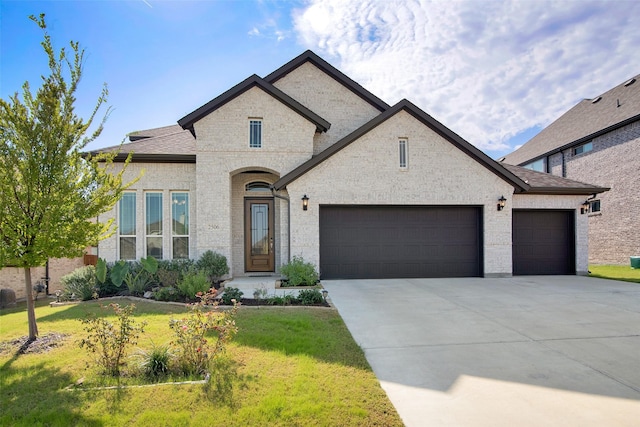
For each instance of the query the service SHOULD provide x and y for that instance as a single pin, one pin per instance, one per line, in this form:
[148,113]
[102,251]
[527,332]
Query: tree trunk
[31,312]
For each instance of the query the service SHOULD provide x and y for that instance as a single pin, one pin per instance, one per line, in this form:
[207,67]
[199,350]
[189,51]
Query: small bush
[310,297]
[110,341]
[81,283]
[168,293]
[194,282]
[195,353]
[156,362]
[170,272]
[298,272]
[231,294]
[286,299]
[213,264]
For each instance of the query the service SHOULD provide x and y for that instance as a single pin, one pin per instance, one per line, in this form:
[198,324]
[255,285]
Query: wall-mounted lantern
[305,202]
[501,203]
[584,207]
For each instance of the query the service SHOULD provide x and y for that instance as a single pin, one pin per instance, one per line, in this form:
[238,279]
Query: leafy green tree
[52,193]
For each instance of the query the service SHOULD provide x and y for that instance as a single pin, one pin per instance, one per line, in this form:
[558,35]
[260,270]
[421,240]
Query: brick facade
[613,162]
[13,278]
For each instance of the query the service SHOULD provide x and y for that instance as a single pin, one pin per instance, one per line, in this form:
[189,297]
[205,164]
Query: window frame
[403,153]
[255,122]
[583,148]
[160,221]
[134,235]
[593,204]
[174,234]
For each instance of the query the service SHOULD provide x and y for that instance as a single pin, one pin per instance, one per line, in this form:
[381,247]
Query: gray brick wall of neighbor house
[614,232]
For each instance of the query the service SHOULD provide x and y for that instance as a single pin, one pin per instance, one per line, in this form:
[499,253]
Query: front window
[402,151]
[594,206]
[255,133]
[180,225]
[127,226]
[539,165]
[153,224]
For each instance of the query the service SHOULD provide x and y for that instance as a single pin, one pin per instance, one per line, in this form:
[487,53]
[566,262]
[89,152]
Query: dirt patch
[40,345]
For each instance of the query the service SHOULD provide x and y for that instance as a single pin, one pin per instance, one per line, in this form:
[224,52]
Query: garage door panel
[543,242]
[400,241]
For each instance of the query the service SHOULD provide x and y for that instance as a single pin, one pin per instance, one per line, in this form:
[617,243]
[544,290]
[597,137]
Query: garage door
[366,242]
[543,242]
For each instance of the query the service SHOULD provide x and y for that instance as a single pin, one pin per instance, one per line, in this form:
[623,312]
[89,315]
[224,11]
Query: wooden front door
[258,235]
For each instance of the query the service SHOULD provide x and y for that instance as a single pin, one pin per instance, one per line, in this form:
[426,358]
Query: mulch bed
[42,344]
[251,302]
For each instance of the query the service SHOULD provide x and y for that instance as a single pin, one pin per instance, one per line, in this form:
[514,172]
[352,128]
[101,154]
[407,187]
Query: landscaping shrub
[214,265]
[195,353]
[231,294]
[110,341]
[156,362]
[81,283]
[194,282]
[170,272]
[168,293]
[310,297]
[298,272]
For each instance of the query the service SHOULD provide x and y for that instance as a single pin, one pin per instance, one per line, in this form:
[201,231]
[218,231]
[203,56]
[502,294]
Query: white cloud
[487,69]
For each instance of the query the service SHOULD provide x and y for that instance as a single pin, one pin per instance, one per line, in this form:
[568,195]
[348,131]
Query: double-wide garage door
[543,242]
[367,242]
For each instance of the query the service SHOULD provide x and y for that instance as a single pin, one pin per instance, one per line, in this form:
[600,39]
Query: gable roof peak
[252,81]
[331,71]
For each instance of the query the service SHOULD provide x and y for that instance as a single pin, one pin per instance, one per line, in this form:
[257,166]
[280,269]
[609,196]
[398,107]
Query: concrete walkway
[526,351]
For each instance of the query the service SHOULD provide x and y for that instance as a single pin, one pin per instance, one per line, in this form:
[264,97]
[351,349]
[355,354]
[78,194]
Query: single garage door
[543,242]
[370,242]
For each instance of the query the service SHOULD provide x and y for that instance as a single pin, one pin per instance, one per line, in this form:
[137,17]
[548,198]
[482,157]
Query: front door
[258,235]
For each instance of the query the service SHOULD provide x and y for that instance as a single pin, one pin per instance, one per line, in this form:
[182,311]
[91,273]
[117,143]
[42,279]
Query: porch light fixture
[584,208]
[501,202]
[305,202]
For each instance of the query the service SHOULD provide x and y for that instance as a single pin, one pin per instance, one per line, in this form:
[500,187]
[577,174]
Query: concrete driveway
[525,351]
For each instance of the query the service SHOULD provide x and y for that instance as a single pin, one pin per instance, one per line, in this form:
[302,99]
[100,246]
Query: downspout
[273,192]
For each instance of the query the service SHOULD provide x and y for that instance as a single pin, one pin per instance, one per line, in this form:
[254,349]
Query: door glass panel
[259,229]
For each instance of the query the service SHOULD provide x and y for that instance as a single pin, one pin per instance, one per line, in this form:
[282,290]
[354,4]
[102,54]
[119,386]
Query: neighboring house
[598,141]
[307,162]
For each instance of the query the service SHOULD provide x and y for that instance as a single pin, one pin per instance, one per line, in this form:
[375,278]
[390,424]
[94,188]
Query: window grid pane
[402,150]
[180,225]
[153,224]
[127,226]
[255,133]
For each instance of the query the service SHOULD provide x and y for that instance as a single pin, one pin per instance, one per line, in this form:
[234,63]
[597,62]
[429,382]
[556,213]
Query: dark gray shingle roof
[545,183]
[171,144]
[586,120]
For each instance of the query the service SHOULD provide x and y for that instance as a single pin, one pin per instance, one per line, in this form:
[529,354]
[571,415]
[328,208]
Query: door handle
[270,244]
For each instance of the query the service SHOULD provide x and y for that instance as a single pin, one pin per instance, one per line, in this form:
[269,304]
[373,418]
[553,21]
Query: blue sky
[495,72]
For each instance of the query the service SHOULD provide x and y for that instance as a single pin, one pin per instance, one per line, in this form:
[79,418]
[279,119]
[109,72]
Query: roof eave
[566,191]
[153,158]
[582,140]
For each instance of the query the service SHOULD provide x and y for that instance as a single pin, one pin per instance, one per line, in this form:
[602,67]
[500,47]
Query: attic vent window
[594,100]
[629,82]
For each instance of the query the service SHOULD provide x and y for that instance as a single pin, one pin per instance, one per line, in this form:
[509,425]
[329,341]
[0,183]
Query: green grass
[615,272]
[287,366]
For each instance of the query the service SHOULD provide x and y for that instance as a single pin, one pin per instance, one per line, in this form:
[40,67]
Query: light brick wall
[13,278]
[614,162]
[328,98]
[366,172]
[538,201]
[223,155]
[156,177]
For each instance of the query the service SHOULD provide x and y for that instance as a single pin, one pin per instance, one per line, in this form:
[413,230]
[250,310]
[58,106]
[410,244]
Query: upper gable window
[402,152]
[583,148]
[257,186]
[255,133]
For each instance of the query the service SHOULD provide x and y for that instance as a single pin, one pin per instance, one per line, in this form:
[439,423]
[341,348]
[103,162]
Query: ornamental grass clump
[194,351]
[110,341]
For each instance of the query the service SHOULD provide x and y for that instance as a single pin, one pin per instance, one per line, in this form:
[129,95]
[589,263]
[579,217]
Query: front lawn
[615,272]
[290,366]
